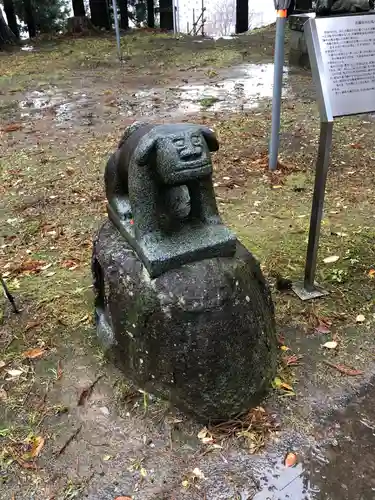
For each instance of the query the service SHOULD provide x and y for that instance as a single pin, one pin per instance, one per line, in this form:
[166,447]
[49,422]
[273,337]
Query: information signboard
[342,58]
[342,53]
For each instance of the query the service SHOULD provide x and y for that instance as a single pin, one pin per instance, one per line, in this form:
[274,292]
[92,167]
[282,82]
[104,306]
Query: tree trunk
[78,8]
[79,24]
[150,14]
[7,37]
[166,14]
[124,19]
[242,16]
[29,18]
[100,14]
[11,17]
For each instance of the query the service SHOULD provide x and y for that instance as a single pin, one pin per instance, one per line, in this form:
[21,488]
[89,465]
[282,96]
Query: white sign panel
[344,48]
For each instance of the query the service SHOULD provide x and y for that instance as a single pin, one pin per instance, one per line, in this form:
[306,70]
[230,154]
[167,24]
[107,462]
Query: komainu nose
[189,153]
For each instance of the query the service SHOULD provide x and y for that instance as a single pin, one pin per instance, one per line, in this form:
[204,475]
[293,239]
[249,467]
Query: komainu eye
[196,140]
[179,142]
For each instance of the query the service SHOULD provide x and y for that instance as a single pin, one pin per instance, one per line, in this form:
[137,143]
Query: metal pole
[178,15]
[174,17]
[117,29]
[8,295]
[321,171]
[277,88]
[202,17]
[194,23]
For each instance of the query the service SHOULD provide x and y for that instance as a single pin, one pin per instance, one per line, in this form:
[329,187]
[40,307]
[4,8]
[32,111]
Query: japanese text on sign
[347,46]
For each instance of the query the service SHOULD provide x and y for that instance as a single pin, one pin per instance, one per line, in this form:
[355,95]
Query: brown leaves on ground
[320,324]
[24,453]
[255,428]
[70,264]
[12,127]
[293,360]
[29,266]
[345,370]
[37,352]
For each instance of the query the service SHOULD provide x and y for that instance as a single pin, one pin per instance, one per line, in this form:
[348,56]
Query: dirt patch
[59,125]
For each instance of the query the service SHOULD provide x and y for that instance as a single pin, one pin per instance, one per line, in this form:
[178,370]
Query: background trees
[53,16]
[7,37]
[10,13]
[223,17]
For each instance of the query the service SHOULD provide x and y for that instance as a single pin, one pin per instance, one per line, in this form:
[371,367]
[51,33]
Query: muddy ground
[70,425]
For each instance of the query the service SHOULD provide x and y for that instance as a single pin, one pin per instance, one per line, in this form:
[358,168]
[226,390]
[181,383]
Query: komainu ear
[210,138]
[130,129]
[144,149]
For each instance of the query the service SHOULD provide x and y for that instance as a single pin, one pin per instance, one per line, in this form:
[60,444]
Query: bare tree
[221,18]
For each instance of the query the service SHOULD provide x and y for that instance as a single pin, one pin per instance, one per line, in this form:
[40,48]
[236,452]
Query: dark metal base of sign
[308,294]
[308,289]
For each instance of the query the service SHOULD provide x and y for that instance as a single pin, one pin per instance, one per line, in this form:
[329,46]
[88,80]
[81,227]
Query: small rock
[104,410]
[360,318]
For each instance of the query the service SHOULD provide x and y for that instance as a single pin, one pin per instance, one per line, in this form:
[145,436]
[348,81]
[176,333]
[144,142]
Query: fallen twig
[67,443]
[86,393]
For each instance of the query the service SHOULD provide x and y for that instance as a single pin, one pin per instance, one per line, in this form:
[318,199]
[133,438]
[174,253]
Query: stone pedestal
[298,54]
[202,335]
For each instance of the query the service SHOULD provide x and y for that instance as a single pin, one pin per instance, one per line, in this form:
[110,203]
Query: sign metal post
[342,56]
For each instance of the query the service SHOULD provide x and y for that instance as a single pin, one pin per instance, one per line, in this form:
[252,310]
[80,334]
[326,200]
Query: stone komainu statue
[327,7]
[180,303]
[160,178]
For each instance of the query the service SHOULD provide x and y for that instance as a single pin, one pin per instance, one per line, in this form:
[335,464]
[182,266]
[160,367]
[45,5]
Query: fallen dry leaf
[25,465]
[284,348]
[322,328]
[360,318]
[293,360]
[31,325]
[371,273]
[38,443]
[345,370]
[30,266]
[12,127]
[356,145]
[59,370]
[279,384]
[198,473]
[332,344]
[290,459]
[331,259]
[69,264]
[14,373]
[3,394]
[123,498]
[205,436]
[33,353]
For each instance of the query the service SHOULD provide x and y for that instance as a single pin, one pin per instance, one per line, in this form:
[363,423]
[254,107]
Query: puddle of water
[286,483]
[342,469]
[66,108]
[242,89]
[225,37]
[27,48]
